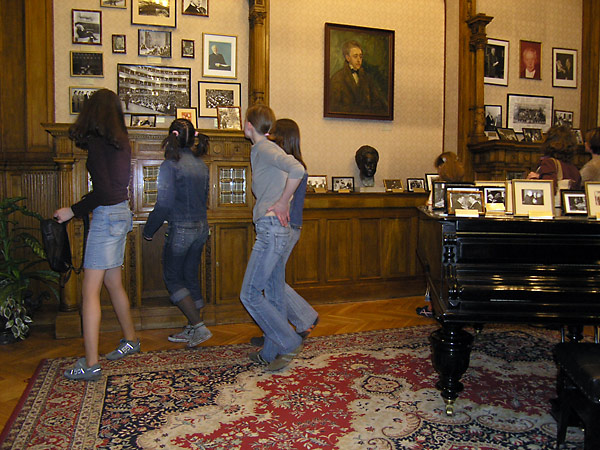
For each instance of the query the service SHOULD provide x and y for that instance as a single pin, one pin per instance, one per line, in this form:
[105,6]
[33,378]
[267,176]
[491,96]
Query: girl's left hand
[282,211]
[63,214]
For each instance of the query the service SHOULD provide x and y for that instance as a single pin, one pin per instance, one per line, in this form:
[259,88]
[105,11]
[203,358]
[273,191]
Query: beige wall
[554,23]
[408,144]
[227,17]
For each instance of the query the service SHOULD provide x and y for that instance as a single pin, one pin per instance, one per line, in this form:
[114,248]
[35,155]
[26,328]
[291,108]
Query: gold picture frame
[592,196]
[533,197]
[156,14]
[190,114]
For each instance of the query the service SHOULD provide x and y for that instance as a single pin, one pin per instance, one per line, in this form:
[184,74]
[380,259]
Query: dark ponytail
[181,135]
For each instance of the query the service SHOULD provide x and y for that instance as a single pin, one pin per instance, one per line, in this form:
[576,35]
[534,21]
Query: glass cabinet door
[232,185]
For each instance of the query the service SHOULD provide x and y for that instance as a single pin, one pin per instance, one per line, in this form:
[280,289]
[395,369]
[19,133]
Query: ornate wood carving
[258,66]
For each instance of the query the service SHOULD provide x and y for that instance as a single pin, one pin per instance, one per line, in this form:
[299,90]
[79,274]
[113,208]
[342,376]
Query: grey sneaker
[183,336]
[82,372]
[124,348]
[283,360]
[200,334]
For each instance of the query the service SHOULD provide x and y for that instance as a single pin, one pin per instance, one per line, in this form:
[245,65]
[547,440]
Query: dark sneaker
[304,334]
[283,360]
[124,348]
[256,358]
[183,336]
[259,341]
[199,334]
[424,311]
[82,372]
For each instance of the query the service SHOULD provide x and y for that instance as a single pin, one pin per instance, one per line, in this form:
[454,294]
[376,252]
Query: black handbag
[57,246]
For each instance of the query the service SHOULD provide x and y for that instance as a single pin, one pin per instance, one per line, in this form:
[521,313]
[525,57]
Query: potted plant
[20,256]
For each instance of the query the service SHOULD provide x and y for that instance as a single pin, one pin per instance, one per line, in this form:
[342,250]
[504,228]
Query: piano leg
[451,351]
[575,333]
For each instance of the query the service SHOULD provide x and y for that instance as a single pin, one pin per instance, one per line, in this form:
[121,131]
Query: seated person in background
[591,170]
[558,147]
[449,169]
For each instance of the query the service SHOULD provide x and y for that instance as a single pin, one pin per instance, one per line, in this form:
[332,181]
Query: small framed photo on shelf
[564,67]
[393,185]
[429,179]
[190,114]
[219,56]
[342,184]
[113,4]
[143,120]
[119,43]
[415,184]
[529,111]
[86,26]
[153,13]
[194,7]
[154,43]
[496,62]
[533,198]
[532,134]
[187,48]
[493,117]
[506,134]
[563,118]
[316,183]
[592,196]
[229,117]
[87,64]
[212,94]
[578,135]
[464,199]
[573,202]
[78,96]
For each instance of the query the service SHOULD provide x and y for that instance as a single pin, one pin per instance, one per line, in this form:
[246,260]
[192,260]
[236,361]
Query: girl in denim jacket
[183,182]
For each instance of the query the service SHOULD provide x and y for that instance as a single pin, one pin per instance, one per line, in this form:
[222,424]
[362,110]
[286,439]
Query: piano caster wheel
[449,407]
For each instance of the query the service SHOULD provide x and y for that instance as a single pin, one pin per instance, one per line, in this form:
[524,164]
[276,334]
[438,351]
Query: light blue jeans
[297,310]
[269,248]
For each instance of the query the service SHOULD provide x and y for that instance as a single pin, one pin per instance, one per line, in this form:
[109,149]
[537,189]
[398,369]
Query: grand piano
[505,270]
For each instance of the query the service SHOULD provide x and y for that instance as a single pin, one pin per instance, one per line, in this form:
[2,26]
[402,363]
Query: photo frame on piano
[533,197]
[592,195]
[495,195]
[438,195]
[573,202]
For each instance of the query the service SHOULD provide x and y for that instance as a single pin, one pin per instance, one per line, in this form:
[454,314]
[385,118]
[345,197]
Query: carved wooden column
[590,65]
[258,64]
[477,43]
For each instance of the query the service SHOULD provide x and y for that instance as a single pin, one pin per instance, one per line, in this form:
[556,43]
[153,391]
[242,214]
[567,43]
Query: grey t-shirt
[591,170]
[271,167]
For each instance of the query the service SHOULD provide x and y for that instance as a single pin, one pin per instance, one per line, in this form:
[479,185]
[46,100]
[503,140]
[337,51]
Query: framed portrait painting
[531,111]
[362,57]
[194,7]
[564,67]
[155,13]
[530,60]
[219,56]
[86,27]
[496,62]
[212,94]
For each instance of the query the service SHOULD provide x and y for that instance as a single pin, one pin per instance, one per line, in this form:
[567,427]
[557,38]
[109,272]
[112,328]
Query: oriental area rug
[369,391]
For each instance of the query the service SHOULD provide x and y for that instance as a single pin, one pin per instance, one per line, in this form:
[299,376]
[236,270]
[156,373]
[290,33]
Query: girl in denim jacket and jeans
[183,183]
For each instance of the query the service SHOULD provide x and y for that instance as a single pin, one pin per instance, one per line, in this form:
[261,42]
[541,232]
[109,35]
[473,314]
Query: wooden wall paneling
[369,248]
[233,247]
[340,243]
[304,265]
[395,248]
[590,65]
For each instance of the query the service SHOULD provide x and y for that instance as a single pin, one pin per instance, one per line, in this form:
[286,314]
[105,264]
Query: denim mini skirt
[109,226]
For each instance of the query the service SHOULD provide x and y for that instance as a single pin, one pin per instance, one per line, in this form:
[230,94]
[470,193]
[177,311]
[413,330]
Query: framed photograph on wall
[190,114]
[78,95]
[533,196]
[530,60]
[532,111]
[573,202]
[142,120]
[194,7]
[155,13]
[592,196]
[342,183]
[87,64]
[316,183]
[113,3]
[219,56]
[493,117]
[154,43]
[212,94]
[119,43]
[187,48]
[496,62]
[564,67]
[563,118]
[229,117]
[86,26]
[153,89]
[344,67]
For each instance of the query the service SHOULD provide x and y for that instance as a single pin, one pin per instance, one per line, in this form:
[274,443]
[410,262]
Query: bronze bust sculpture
[366,159]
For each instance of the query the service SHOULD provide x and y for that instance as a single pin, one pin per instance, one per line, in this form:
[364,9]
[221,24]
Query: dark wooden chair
[578,387]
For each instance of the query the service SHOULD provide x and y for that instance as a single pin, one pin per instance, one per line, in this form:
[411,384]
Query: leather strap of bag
[77,270]
[559,172]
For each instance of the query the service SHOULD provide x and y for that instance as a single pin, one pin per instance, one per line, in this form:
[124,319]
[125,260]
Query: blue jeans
[181,259]
[269,248]
[297,310]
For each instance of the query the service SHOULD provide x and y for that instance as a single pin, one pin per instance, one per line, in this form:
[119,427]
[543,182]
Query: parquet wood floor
[19,361]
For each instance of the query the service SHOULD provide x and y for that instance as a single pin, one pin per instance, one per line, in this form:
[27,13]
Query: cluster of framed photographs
[564,63]
[318,183]
[520,197]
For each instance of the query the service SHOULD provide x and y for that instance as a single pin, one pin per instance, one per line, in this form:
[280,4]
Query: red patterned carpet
[370,391]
